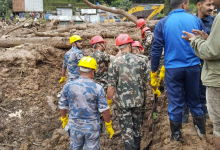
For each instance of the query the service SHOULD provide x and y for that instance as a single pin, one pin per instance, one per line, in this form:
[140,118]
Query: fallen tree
[115,11]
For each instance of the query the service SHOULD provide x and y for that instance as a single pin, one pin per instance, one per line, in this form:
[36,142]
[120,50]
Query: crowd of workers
[91,83]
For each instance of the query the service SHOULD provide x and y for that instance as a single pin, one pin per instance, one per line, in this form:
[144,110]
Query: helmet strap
[102,46]
[139,49]
[76,44]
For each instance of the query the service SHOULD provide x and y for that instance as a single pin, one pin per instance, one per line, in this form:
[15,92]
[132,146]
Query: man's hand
[109,104]
[64,120]
[188,36]
[62,79]
[201,33]
[109,129]
[154,80]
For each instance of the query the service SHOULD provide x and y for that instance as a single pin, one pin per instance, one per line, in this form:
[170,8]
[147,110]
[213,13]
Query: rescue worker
[71,59]
[205,9]
[103,59]
[141,23]
[182,66]
[127,75]
[85,100]
[207,48]
[148,38]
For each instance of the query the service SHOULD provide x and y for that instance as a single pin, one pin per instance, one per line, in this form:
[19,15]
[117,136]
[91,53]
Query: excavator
[156,7]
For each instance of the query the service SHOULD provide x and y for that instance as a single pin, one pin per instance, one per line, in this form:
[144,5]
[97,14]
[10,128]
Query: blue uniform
[180,61]
[70,62]
[85,100]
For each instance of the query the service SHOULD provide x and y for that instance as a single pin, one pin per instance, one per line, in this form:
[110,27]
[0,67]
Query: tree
[124,4]
[5,5]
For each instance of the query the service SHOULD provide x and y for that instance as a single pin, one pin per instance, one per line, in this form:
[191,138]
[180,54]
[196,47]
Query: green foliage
[124,4]
[160,15]
[193,8]
[5,5]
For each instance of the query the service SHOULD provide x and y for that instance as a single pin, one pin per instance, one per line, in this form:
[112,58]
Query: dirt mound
[29,74]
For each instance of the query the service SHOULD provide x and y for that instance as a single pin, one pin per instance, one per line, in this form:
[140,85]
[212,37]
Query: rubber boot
[199,123]
[175,130]
[137,143]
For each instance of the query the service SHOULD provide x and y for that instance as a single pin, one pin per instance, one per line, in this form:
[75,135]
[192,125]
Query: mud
[29,114]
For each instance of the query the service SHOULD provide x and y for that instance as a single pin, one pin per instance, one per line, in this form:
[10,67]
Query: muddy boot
[199,123]
[137,143]
[175,130]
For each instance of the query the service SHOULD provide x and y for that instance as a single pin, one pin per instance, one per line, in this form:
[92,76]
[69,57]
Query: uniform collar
[75,48]
[207,19]
[125,53]
[177,10]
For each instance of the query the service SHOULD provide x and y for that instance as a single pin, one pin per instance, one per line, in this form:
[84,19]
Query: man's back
[71,60]
[85,100]
[177,52]
[127,73]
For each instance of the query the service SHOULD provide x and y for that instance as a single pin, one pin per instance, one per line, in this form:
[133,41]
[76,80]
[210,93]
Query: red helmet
[97,39]
[143,30]
[140,23]
[123,39]
[137,44]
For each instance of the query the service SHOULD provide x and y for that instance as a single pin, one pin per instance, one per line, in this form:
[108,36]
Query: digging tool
[154,114]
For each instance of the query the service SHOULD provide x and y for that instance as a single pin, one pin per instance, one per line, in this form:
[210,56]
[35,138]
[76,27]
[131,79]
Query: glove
[157,92]
[109,104]
[64,120]
[162,73]
[109,129]
[62,79]
[154,80]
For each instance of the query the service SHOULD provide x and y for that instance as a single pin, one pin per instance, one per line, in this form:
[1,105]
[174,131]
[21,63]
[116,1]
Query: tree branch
[115,11]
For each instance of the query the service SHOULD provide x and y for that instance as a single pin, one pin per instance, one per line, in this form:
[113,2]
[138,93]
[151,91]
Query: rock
[55,138]
[1,96]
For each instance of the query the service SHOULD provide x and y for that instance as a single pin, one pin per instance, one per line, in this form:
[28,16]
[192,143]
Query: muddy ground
[29,113]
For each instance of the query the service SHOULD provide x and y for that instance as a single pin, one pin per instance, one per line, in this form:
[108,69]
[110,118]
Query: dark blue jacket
[177,52]
[208,21]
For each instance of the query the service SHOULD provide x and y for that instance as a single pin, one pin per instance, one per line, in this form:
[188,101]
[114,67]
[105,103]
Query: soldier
[85,100]
[71,59]
[148,38]
[102,59]
[127,75]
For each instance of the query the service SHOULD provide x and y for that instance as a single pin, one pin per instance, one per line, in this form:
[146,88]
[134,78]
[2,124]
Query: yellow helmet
[88,62]
[74,38]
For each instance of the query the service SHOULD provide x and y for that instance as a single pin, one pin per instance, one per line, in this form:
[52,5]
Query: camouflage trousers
[213,104]
[130,123]
[90,140]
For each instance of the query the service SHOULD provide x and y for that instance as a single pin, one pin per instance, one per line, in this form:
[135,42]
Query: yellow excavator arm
[157,9]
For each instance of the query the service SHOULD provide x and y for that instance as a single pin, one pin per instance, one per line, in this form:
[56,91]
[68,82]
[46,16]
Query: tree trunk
[115,11]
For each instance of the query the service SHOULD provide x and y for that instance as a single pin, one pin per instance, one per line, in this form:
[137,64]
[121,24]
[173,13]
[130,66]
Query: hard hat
[137,44]
[74,38]
[123,39]
[97,39]
[140,23]
[143,30]
[88,62]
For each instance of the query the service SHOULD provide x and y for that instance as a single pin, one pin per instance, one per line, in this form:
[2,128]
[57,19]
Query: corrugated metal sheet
[18,6]
[34,5]
[88,11]
[92,18]
[64,11]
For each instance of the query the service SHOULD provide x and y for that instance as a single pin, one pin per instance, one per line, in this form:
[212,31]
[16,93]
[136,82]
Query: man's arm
[157,47]
[63,102]
[110,92]
[63,72]
[106,116]
[112,81]
[63,113]
[209,49]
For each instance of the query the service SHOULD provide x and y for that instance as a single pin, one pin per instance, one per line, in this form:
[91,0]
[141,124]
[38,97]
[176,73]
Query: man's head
[179,4]
[145,31]
[205,7]
[76,41]
[137,47]
[141,23]
[124,42]
[87,65]
[98,42]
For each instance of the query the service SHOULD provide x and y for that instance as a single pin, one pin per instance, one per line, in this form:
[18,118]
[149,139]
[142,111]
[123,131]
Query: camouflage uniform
[70,62]
[85,100]
[147,46]
[127,73]
[101,74]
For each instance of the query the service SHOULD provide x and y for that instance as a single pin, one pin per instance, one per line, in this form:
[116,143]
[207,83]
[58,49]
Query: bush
[42,21]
